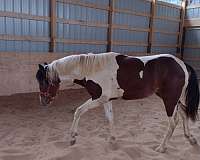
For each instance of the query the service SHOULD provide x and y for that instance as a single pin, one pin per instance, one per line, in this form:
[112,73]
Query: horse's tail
[192,94]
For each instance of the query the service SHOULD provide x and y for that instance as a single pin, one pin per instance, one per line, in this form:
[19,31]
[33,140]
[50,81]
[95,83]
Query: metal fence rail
[127,26]
[191,45]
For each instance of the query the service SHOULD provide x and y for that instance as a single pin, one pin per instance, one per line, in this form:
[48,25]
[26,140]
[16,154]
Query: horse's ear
[41,67]
[45,63]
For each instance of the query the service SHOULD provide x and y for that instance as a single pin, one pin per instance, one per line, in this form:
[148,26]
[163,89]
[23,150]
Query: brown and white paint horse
[110,76]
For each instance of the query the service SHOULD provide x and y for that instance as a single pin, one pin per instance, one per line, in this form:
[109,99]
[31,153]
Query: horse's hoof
[160,149]
[74,134]
[72,142]
[192,140]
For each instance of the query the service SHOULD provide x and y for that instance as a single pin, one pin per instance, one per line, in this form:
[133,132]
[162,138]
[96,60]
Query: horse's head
[48,83]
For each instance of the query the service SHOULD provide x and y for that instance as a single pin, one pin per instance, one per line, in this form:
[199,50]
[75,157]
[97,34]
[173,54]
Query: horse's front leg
[110,117]
[79,111]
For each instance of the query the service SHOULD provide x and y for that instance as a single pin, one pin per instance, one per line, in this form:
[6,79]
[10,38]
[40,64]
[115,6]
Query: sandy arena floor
[31,132]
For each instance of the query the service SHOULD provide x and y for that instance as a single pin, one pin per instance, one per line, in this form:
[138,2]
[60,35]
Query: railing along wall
[81,26]
[191,45]
[165,28]
[24,26]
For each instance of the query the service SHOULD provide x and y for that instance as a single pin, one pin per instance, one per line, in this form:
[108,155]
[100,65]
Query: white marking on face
[141,74]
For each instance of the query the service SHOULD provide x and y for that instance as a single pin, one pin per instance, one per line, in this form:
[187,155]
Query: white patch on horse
[181,63]
[141,74]
[145,59]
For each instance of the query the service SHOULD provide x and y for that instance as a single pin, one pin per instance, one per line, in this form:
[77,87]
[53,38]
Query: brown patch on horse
[80,82]
[115,98]
[93,88]
[171,82]
[128,77]
[163,76]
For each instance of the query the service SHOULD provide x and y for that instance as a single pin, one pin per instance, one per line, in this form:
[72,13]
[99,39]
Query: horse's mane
[86,64]
[92,63]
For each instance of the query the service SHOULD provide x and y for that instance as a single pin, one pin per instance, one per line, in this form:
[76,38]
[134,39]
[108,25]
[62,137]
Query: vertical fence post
[151,29]
[110,22]
[52,25]
[180,41]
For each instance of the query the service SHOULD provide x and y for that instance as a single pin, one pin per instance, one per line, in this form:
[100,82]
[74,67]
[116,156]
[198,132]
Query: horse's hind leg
[185,119]
[170,97]
[170,91]
[173,121]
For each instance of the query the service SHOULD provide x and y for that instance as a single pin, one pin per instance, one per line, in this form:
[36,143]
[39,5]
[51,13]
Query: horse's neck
[67,67]
[80,66]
